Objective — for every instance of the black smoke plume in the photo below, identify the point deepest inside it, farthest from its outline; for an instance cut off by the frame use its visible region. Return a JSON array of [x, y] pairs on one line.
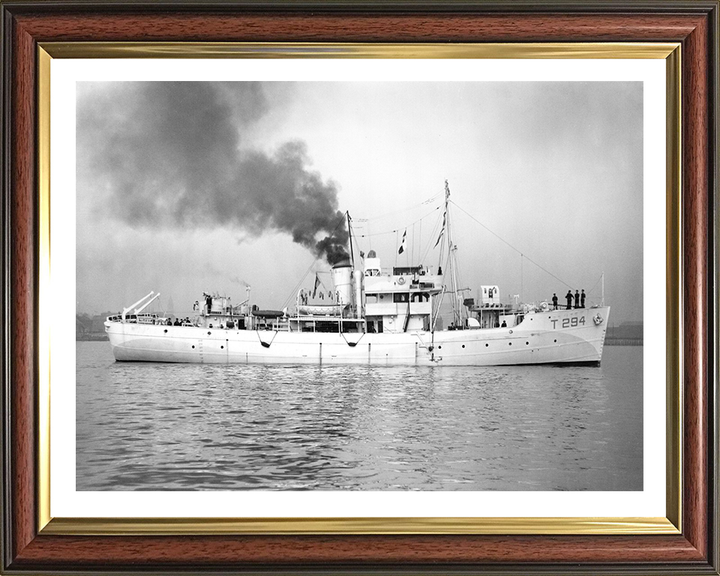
[[173, 154]]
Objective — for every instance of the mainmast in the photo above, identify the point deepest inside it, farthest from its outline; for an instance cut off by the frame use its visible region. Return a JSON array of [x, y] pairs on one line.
[[350, 246], [452, 261], [357, 275], [451, 265]]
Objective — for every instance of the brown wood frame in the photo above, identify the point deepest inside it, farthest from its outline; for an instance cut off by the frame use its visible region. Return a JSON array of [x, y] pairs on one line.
[[693, 23]]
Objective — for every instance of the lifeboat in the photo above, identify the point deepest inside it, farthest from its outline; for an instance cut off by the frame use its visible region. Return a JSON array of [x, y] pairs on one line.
[[322, 309]]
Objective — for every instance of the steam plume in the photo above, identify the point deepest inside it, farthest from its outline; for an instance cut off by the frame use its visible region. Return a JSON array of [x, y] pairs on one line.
[[173, 154]]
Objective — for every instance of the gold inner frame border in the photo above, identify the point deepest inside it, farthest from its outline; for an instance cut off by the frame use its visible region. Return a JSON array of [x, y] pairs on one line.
[[671, 524]]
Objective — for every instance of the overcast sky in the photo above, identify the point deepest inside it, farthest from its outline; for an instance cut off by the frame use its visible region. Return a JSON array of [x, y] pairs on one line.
[[191, 187]]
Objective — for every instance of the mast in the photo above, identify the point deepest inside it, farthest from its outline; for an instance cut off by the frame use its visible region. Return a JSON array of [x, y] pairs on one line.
[[452, 263], [352, 256], [356, 276], [451, 254]]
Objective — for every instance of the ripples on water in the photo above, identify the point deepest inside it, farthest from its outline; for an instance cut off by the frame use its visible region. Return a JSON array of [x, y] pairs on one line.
[[208, 427]]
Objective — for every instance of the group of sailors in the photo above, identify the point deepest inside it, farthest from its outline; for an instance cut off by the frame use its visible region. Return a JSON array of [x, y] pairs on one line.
[[578, 298], [187, 322]]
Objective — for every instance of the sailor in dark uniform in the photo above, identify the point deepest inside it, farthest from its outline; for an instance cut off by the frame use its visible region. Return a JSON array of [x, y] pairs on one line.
[[569, 298], [554, 300], [577, 299], [582, 299]]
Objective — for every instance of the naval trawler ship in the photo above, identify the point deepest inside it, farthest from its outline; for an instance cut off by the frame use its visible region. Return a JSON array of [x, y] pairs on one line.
[[373, 316]]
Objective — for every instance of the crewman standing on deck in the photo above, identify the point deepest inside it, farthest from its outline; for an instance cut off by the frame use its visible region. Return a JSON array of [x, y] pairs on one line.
[[582, 299], [569, 298], [577, 299], [554, 300]]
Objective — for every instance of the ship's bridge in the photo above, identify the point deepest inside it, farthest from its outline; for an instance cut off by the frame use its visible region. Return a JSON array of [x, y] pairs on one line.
[[399, 300]]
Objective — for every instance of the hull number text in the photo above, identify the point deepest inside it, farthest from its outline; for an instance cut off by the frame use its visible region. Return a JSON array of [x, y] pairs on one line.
[[568, 322]]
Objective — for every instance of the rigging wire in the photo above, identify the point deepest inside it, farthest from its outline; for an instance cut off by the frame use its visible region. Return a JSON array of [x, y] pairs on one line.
[[297, 286], [594, 285], [396, 230], [433, 235], [522, 254], [405, 209]]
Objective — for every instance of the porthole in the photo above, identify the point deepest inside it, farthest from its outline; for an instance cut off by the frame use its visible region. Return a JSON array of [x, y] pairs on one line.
[[463, 345], [208, 333], [439, 347], [222, 347], [193, 346], [486, 345], [509, 343], [165, 330], [527, 343], [555, 340]]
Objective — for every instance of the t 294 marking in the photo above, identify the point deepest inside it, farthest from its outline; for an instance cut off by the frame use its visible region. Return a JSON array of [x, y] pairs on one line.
[[573, 322]]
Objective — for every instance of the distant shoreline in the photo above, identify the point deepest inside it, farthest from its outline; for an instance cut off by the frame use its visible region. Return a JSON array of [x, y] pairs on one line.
[[92, 338], [623, 342]]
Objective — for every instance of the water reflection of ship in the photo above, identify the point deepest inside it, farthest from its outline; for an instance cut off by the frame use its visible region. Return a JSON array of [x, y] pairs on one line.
[[371, 316]]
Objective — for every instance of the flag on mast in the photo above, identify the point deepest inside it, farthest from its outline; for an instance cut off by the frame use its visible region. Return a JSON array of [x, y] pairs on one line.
[[317, 283], [402, 244], [442, 231]]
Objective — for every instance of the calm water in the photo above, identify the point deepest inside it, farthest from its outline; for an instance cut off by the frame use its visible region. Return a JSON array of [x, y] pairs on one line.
[[204, 427]]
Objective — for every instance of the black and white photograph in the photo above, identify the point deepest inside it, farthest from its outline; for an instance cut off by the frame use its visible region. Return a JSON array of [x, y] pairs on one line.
[[359, 285]]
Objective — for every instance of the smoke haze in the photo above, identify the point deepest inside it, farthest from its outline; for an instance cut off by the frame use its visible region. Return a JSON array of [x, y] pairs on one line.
[[172, 155]]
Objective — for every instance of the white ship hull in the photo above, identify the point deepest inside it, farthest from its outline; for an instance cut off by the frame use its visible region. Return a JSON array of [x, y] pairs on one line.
[[572, 336]]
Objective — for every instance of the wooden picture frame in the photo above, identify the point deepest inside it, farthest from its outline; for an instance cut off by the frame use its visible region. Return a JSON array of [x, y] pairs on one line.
[[29, 547]]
